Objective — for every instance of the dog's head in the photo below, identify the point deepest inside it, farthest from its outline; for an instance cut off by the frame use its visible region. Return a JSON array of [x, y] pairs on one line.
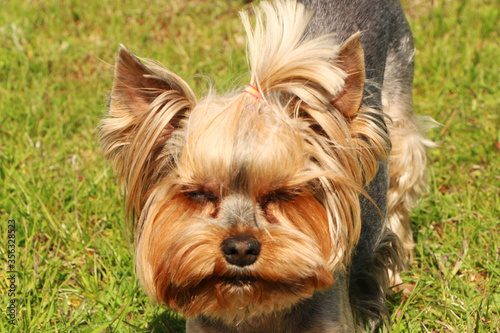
[[246, 203]]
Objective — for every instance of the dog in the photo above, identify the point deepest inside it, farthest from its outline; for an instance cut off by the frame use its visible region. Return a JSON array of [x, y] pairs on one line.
[[282, 206]]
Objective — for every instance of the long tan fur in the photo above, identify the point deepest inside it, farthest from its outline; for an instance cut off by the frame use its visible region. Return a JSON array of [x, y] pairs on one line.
[[183, 161]]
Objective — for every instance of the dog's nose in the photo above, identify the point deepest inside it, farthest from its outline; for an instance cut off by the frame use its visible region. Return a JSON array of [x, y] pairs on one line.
[[241, 250]]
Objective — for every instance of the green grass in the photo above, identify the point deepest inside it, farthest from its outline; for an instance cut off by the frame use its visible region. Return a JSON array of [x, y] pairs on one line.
[[75, 267]]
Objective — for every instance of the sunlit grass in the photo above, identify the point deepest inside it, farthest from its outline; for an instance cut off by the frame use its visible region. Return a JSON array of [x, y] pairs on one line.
[[74, 262]]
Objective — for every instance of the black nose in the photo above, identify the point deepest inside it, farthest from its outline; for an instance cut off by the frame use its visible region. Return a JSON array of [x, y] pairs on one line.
[[241, 250]]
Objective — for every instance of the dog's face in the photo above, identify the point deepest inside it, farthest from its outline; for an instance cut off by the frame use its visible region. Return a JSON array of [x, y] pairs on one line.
[[245, 204], [238, 223]]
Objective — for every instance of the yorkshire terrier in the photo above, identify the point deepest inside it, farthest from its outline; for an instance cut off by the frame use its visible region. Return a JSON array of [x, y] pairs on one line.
[[283, 206]]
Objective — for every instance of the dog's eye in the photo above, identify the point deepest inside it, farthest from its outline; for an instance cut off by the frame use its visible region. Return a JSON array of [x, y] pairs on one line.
[[279, 196], [201, 196]]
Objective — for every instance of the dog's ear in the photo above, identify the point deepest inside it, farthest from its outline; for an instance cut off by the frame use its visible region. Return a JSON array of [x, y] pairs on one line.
[[351, 60], [367, 125], [136, 85], [147, 104]]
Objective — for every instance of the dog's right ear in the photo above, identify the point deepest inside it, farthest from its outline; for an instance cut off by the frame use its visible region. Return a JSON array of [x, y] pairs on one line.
[[147, 104]]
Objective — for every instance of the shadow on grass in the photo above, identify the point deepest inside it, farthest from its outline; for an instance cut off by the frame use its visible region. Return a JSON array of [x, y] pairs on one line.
[[167, 322]]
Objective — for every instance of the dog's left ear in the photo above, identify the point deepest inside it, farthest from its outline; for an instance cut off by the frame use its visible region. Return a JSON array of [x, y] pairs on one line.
[[137, 84], [147, 104], [351, 60]]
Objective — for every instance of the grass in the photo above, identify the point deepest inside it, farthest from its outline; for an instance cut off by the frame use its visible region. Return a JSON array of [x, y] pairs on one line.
[[75, 272]]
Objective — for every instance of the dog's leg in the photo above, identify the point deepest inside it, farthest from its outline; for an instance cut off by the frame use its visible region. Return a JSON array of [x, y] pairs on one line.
[[339, 309]]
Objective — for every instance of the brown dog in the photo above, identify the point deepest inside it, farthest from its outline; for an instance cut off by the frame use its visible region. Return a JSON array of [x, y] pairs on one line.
[[279, 207]]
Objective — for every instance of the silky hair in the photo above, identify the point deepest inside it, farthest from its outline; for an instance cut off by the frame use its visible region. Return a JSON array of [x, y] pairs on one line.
[[307, 132]]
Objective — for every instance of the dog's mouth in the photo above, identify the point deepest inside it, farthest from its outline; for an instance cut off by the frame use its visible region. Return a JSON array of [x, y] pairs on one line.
[[226, 294], [239, 281]]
